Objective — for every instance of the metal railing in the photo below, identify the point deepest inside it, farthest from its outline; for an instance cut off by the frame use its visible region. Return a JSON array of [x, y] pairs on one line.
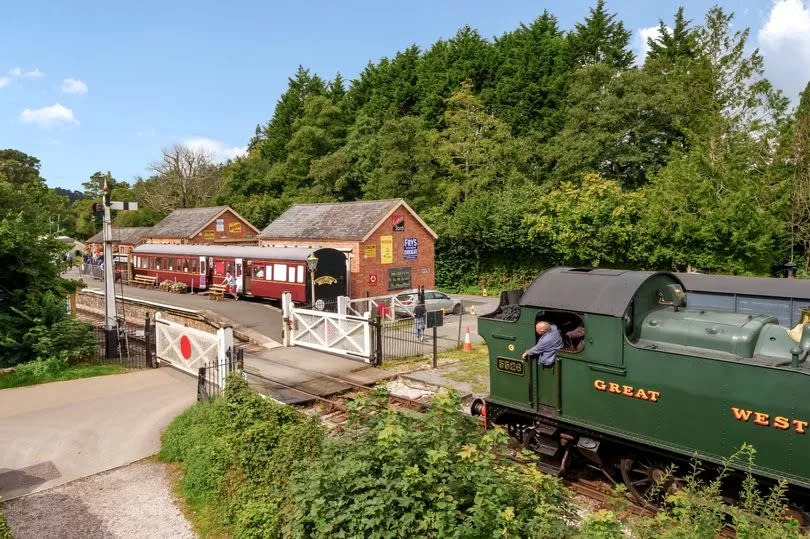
[[211, 377], [129, 348]]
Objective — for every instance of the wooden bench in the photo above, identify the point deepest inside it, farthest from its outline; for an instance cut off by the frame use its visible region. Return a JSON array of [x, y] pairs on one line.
[[144, 281], [217, 291]]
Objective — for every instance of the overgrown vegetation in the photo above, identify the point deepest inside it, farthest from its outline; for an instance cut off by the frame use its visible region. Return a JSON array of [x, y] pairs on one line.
[[259, 469], [5, 530], [254, 468]]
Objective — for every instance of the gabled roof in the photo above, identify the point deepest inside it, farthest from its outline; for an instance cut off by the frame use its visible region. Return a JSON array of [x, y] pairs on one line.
[[188, 222], [336, 221], [129, 235]]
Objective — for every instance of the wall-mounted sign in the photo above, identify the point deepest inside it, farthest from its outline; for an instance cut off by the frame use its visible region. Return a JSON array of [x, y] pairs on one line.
[[399, 278], [386, 249], [370, 251], [398, 222], [235, 228], [424, 271], [411, 249], [220, 225], [208, 235], [325, 279], [372, 279]]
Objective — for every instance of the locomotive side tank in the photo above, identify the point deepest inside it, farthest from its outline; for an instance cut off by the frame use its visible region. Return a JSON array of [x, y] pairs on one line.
[[649, 372]]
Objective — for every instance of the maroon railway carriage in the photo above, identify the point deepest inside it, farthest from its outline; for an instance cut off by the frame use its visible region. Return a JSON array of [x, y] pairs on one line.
[[263, 272]]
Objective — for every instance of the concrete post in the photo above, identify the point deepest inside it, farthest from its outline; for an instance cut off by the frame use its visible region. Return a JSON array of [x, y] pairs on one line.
[[286, 315], [367, 337], [225, 352]]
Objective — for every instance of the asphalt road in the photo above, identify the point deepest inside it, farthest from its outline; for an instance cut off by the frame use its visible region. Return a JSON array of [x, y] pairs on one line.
[[54, 433]]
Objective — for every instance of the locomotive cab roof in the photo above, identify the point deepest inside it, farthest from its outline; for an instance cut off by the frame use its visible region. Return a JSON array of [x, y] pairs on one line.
[[596, 291]]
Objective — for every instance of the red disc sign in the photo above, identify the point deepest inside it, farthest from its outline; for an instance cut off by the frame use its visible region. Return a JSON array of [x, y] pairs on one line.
[[372, 278], [185, 347]]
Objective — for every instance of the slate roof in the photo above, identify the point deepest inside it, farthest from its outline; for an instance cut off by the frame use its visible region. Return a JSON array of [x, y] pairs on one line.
[[334, 221], [182, 223], [129, 235]]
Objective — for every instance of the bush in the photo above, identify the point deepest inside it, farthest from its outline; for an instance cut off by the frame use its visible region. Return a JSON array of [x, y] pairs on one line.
[[67, 341]]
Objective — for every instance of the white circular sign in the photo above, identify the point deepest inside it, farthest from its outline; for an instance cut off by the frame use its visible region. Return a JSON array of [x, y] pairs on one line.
[[319, 304]]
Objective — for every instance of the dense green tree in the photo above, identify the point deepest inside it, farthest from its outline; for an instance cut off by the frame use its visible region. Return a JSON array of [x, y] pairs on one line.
[[530, 79], [19, 168], [271, 143], [446, 65], [32, 293], [600, 39], [799, 180], [94, 186], [673, 44]]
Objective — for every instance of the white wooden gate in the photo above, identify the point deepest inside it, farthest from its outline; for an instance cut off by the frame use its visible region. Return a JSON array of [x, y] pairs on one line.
[[329, 332], [187, 348]]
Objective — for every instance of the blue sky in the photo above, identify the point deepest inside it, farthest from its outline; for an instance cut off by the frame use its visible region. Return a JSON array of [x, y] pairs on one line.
[[88, 86]]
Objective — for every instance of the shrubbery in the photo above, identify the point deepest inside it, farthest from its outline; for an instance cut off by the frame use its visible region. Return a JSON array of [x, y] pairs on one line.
[[259, 469]]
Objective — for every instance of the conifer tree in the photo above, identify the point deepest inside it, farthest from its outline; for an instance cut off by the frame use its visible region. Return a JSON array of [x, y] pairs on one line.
[[600, 39]]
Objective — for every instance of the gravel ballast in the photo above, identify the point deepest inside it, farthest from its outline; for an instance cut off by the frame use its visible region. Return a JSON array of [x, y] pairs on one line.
[[132, 501]]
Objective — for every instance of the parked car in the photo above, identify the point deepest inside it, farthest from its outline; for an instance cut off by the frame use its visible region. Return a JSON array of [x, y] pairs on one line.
[[434, 301]]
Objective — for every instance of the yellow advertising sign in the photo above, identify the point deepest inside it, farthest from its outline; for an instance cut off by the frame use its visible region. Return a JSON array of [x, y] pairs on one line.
[[370, 251], [235, 228], [386, 249], [208, 235]]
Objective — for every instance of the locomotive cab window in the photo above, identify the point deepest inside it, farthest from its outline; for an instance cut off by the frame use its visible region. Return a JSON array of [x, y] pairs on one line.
[[570, 325]]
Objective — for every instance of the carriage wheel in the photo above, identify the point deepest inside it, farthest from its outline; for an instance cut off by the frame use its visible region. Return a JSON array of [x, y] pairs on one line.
[[649, 481]]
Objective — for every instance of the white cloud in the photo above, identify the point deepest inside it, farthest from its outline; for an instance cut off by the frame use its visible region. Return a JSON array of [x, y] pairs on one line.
[[32, 74], [15, 71], [642, 35], [74, 86], [3, 81], [215, 148], [47, 117], [785, 43]]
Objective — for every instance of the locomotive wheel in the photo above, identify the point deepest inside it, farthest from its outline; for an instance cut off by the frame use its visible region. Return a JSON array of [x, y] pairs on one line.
[[649, 482]]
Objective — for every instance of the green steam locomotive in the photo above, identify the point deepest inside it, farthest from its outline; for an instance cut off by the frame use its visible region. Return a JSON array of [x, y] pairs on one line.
[[649, 380]]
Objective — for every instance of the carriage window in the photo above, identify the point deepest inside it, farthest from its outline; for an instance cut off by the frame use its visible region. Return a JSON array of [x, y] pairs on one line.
[[279, 272], [291, 274], [300, 276], [268, 272], [202, 266], [571, 326], [158, 263], [171, 263], [194, 265], [229, 268], [258, 272], [185, 264]]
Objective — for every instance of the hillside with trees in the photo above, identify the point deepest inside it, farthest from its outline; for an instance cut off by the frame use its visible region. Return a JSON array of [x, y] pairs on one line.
[[539, 147]]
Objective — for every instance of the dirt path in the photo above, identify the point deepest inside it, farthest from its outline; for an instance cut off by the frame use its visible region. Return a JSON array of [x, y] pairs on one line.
[[134, 501]]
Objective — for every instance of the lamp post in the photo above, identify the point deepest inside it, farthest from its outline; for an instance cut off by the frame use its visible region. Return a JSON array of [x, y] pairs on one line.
[[312, 264]]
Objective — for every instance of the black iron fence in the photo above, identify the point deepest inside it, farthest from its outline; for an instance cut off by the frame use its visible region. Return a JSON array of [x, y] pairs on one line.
[[211, 378], [404, 337], [126, 347]]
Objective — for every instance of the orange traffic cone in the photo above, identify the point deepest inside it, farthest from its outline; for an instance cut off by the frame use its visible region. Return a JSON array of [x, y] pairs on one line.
[[467, 343]]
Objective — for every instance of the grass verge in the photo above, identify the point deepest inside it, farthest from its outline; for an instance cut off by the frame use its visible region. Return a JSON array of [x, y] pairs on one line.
[[82, 370], [455, 364]]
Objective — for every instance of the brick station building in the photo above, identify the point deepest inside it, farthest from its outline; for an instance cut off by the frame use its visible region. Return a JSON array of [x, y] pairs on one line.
[[388, 246], [213, 225]]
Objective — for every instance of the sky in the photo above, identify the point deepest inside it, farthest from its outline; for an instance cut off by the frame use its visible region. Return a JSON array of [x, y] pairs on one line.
[[87, 86]]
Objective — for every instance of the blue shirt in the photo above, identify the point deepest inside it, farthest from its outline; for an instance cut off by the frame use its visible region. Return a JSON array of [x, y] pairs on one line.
[[548, 343]]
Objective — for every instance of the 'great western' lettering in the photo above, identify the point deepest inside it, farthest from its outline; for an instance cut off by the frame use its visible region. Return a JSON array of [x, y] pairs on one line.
[[627, 391], [762, 419]]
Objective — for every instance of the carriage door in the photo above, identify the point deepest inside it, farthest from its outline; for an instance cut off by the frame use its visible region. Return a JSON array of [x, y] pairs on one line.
[[203, 272], [238, 275]]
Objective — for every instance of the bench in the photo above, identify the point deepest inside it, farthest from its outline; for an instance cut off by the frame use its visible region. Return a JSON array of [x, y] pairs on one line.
[[217, 291], [144, 281]]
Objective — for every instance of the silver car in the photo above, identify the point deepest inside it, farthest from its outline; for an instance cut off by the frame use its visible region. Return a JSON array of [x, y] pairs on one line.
[[434, 301]]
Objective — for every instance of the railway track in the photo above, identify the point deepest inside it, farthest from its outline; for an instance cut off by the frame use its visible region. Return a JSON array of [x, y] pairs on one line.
[[331, 406]]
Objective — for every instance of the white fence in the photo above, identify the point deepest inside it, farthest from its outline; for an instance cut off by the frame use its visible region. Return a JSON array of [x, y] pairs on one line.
[[385, 306], [335, 333], [187, 348]]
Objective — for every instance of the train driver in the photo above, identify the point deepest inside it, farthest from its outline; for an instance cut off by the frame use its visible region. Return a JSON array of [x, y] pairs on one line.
[[549, 341]]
